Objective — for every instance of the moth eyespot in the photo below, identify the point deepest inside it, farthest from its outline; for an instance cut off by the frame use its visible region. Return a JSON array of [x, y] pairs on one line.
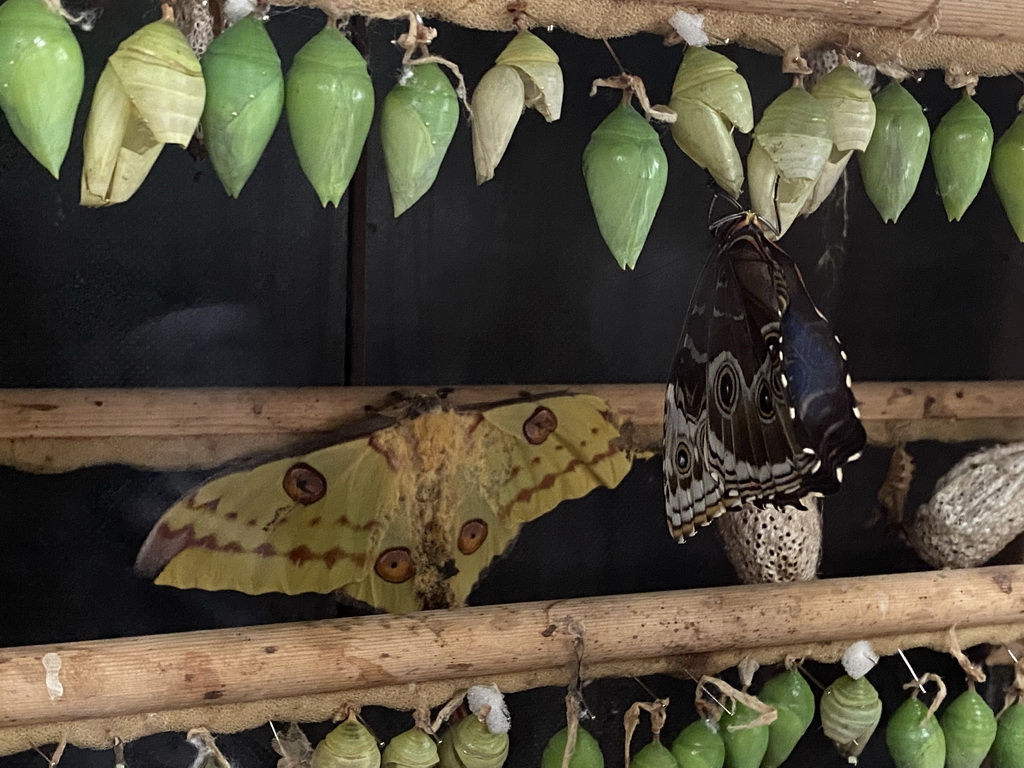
[[725, 388], [539, 426], [765, 404], [304, 485], [683, 459], [472, 536], [395, 565]]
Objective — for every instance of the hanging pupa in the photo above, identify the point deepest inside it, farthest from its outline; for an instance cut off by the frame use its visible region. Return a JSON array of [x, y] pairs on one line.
[[654, 754], [850, 707], [700, 745], [711, 99], [1007, 171], [586, 754], [744, 724], [41, 76], [537, 64], [961, 149], [791, 144], [349, 745], [969, 726], [1008, 747], [626, 171], [851, 115], [411, 749], [913, 734], [891, 164], [150, 93], [417, 122], [790, 694], [244, 99], [329, 106], [479, 740]]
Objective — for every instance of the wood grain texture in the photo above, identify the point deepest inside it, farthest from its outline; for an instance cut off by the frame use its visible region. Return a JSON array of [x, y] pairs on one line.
[[58, 430], [130, 676]]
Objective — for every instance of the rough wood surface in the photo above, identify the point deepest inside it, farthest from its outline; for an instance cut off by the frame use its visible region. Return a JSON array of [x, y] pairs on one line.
[[58, 430], [133, 676]]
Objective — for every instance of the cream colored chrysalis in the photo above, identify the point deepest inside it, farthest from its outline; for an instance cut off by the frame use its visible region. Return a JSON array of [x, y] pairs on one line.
[[525, 75]]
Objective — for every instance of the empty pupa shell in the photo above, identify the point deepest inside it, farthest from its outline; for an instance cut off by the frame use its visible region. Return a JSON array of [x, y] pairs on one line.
[[1007, 171], [587, 753], [349, 745], [850, 713], [710, 99], [626, 172], [851, 115], [537, 64], [961, 149], [914, 737], [417, 122], [1008, 748], [745, 747], [793, 698], [892, 163], [497, 105], [150, 93], [699, 745], [411, 749], [654, 755], [329, 105], [469, 744], [244, 99], [41, 76], [791, 144], [969, 726]]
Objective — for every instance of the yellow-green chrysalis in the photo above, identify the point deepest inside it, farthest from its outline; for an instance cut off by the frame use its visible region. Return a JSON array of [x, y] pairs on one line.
[[349, 745], [850, 713], [411, 749], [700, 745], [969, 726], [961, 149], [470, 744], [790, 694], [744, 747], [914, 737], [1007, 171], [587, 753]]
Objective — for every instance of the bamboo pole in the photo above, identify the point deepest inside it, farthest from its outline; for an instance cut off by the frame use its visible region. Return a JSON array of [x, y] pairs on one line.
[[130, 676], [58, 430]]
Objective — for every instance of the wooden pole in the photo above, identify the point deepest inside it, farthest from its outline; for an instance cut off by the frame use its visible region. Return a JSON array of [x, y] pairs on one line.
[[58, 430], [128, 676]]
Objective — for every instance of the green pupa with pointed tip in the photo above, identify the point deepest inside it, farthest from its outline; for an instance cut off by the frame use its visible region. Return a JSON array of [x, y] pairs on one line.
[[961, 150], [329, 106], [244, 100], [587, 753], [1007, 171], [969, 725], [744, 747], [793, 698], [699, 745], [914, 737], [41, 77], [892, 163], [417, 122], [626, 171]]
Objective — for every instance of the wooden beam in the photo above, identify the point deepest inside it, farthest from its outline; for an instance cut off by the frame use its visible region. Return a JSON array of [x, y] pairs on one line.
[[58, 430], [127, 677]]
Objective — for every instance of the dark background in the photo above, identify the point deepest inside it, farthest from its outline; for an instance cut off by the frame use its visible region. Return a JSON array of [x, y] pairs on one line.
[[509, 282]]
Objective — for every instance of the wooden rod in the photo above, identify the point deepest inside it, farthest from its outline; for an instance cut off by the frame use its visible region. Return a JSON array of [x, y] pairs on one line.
[[128, 676], [58, 430]]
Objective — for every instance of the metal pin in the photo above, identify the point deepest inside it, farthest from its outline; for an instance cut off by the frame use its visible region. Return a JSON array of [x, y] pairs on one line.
[[912, 672]]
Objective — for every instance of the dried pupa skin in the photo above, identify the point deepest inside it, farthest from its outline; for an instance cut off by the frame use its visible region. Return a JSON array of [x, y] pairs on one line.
[[587, 753], [851, 114], [150, 93], [961, 149], [469, 744], [329, 106], [417, 121], [744, 748], [41, 77], [349, 745], [497, 106], [1008, 747], [699, 745], [914, 737], [710, 99], [790, 694], [791, 144], [244, 100], [1007, 171], [654, 755], [850, 713], [626, 171], [411, 749], [769, 543], [969, 726], [891, 164], [537, 64]]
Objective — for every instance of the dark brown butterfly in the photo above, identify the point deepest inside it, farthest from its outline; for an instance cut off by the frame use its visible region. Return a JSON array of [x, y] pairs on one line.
[[758, 405]]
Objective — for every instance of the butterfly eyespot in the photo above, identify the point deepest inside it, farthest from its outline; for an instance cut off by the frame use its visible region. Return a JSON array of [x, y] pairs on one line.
[[395, 565], [304, 485], [539, 426], [683, 459], [725, 389], [472, 536], [765, 404]]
